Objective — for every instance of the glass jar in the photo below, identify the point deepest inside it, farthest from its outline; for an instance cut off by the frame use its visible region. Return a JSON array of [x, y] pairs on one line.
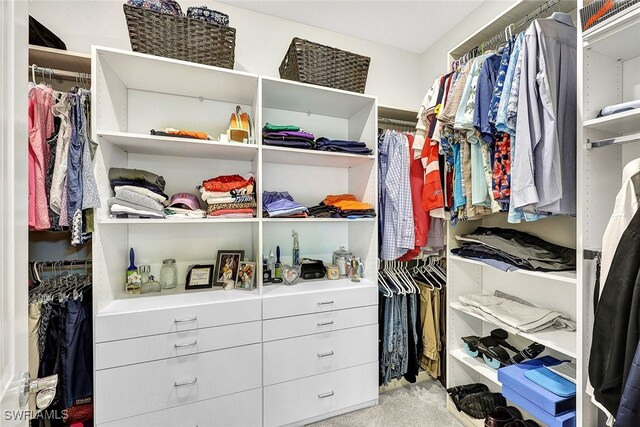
[[169, 274], [341, 258]]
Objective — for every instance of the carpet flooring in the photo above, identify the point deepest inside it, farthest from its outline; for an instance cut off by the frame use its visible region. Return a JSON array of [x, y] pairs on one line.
[[417, 405]]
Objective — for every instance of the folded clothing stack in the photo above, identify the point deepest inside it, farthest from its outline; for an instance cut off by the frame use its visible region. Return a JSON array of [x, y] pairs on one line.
[[181, 133], [138, 194], [229, 196], [287, 136], [514, 314], [508, 249], [353, 147], [347, 206], [280, 204]]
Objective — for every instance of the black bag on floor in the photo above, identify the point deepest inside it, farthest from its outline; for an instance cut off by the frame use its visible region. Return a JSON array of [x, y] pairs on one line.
[[42, 36]]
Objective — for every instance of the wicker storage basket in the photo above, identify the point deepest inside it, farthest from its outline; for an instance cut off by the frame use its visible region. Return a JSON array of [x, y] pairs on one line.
[[600, 10], [310, 62], [179, 37]]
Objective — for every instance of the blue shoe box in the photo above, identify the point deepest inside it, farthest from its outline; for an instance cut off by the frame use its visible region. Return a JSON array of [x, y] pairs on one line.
[[513, 378], [567, 419]]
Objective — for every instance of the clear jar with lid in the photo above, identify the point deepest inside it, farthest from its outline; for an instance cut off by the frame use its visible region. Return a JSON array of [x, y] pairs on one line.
[[341, 258], [169, 274]]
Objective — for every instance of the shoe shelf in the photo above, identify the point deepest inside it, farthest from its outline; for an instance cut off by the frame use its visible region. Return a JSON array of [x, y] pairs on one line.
[[477, 364], [555, 339]]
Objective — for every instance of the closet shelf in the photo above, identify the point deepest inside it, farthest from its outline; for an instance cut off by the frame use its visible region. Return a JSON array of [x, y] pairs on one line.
[[310, 286], [176, 297], [177, 221], [315, 220], [294, 156], [46, 57], [560, 276], [555, 339], [613, 37], [618, 124], [477, 364], [179, 147]]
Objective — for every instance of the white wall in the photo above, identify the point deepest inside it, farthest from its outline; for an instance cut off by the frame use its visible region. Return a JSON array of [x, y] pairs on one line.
[[261, 42]]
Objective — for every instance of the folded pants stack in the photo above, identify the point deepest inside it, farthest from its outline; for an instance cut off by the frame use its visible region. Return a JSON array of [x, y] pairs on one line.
[[229, 196], [287, 136], [346, 206], [138, 194], [515, 248], [353, 147], [281, 204]]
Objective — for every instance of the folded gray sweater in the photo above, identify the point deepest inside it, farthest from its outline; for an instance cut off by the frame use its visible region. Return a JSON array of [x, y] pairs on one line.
[[138, 199]]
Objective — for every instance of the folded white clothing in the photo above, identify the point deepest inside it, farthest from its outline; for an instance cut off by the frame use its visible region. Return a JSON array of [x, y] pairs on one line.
[[141, 190], [117, 208], [138, 199], [204, 194], [179, 213], [233, 215], [215, 200], [518, 316]]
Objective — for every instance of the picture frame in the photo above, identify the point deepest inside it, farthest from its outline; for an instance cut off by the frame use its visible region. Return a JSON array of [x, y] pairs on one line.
[[199, 276], [246, 276], [226, 271]]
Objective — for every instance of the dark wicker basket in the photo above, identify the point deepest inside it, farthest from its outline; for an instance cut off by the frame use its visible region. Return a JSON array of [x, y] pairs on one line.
[[310, 62], [179, 37]]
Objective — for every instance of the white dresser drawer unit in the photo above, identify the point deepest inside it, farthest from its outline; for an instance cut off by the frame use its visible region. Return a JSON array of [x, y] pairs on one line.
[[318, 301], [294, 358], [236, 410], [138, 389], [123, 325], [289, 327], [294, 402], [176, 344]]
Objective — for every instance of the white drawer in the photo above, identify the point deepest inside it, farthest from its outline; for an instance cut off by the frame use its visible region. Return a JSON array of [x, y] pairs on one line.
[[289, 327], [132, 324], [296, 401], [294, 358], [176, 344], [236, 410], [314, 302], [137, 389]]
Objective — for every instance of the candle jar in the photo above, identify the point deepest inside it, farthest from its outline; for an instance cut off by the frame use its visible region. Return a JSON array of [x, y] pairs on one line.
[[169, 274], [341, 258]]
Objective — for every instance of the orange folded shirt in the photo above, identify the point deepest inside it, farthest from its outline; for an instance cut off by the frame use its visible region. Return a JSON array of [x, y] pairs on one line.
[[352, 205], [331, 200], [227, 183], [190, 133]]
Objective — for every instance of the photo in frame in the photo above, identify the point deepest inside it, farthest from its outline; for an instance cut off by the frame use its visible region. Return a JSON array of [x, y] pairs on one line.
[[199, 276], [227, 268], [246, 276]]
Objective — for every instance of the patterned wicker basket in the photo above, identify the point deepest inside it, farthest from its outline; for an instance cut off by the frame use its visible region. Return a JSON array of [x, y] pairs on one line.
[[179, 37], [310, 62]]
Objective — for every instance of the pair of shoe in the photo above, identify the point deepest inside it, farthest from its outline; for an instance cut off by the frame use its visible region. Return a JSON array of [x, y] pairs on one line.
[[460, 392], [508, 416], [475, 399], [492, 349], [239, 127]]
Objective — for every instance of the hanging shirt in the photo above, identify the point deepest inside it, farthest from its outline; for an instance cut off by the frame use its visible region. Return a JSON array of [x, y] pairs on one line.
[[501, 117], [397, 235], [484, 92], [505, 58], [544, 169]]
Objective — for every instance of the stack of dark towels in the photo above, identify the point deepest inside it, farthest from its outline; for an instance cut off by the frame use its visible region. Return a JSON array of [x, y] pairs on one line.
[[138, 194], [509, 249], [287, 136]]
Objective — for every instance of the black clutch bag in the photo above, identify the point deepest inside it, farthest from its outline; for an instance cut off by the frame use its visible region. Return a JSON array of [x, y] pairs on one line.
[[312, 269]]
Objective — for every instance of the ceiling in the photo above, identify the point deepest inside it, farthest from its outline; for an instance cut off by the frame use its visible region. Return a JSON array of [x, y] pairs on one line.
[[409, 25]]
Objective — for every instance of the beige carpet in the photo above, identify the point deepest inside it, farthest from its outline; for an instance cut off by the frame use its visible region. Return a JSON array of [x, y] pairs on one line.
[[421, 405]]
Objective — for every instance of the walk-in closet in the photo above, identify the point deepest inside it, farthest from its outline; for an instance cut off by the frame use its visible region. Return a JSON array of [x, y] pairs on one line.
[[360, 213]]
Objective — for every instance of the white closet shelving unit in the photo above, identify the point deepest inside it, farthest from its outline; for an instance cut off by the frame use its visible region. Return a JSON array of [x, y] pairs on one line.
[[278, 355], [555, 290], [609, 73]]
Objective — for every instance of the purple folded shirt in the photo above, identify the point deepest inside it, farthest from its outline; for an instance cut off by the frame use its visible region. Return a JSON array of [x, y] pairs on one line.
[[299, 134], [290, 144]]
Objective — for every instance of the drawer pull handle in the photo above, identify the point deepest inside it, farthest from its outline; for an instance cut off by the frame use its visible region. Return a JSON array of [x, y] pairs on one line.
[[325, 302], [327, 354], [177, 384], [186, 345], [193, 319], [325, 395], [330, 322]]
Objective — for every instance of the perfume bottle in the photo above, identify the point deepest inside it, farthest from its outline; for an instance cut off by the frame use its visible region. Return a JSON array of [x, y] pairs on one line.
[[296, 249]]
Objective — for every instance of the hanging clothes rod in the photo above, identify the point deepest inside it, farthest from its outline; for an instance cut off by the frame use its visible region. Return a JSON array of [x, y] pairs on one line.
[[501, 37], [52, 73], [384, 120], [613, 141], [61, 263]]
